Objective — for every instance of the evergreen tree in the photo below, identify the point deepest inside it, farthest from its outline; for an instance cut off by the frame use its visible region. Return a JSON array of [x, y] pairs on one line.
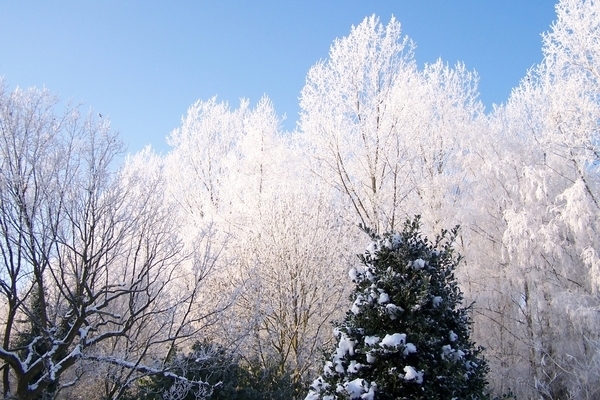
[[34, 341], [406, 335], [225, 375]]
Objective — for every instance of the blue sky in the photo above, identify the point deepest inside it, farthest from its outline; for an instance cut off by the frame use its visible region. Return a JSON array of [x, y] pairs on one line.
[[143, 63]]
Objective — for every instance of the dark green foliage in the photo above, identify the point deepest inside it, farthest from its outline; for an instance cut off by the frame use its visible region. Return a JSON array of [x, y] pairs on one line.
[[406, 295], [35, 341], [225, 377], [257, 382]]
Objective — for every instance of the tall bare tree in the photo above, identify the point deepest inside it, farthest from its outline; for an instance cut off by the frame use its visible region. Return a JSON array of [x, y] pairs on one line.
[[86, 259]]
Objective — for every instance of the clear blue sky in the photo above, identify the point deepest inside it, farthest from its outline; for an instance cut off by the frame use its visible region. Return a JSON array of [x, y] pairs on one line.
[[143, 63]]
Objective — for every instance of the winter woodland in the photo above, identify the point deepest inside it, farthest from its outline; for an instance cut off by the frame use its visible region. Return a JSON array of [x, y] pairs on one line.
[[159, 276]]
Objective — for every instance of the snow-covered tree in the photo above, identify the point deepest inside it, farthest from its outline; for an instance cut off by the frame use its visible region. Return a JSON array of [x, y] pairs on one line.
[[293, 289], [280, 221], [90, 255], [407, 334], [203, 155], [386, 135], [349, 117], [534, 268]]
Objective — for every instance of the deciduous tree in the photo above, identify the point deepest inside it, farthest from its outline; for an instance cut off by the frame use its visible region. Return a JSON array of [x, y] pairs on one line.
[[87, 260]]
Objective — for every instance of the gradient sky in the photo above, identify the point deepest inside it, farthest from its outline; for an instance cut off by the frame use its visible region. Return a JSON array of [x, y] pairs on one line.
[[143, 63]]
